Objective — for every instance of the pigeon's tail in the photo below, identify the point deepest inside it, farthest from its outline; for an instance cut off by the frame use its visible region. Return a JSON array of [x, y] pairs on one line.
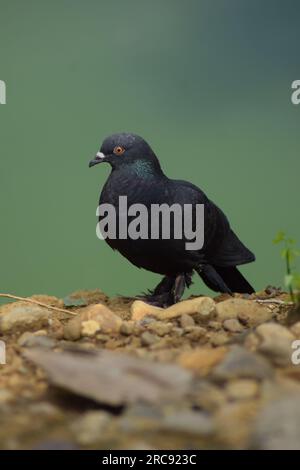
[[234, 280], [221, 279]]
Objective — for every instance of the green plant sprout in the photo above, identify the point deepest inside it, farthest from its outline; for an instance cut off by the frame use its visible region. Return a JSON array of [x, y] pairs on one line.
[[290, 253]]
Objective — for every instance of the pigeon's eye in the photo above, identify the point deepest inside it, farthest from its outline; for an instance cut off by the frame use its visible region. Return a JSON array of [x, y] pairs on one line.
[[118, 150]]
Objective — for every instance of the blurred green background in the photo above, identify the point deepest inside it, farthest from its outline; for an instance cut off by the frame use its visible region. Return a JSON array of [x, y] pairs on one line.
[[206, 82]]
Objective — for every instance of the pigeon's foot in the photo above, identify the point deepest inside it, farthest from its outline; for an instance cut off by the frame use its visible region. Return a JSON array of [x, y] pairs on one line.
[[169, 291], [162, 300]]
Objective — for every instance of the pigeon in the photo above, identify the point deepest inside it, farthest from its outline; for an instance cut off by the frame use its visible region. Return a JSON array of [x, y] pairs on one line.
[[137, 174]]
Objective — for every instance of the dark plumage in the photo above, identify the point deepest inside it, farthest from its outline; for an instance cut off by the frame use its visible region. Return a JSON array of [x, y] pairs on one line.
[[136, 173]]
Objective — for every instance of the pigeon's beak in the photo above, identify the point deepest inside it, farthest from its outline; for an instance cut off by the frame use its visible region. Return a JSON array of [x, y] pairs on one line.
[[99, 158]]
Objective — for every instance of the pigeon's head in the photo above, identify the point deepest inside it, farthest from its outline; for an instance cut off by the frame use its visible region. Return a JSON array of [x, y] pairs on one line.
[[125, 149]]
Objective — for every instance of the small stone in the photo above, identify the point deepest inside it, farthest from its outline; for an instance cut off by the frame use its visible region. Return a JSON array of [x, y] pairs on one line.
[[89, 428], [56, 328], [241, 363], [21, 316], [275, 343], [108, 321], [103, 338], [208, 397], [233, 325], [145, 321], [243, 389], [186, 320], [72, 330], [45, 408], [233, 422], [278, 425], [214, 325], [89, 328], [90, 320], [160, 328], [219, 339], [31, 340], [147, 339], [202, 360], [251, 342], [295, 330], [177, 331], [249, 312], [194, 332], [186, 421], [140, 309], [127, 328], [204, 306]]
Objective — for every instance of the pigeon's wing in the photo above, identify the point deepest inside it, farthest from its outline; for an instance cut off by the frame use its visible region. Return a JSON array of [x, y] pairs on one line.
[[231, 252], [226, 249], [221, 245]]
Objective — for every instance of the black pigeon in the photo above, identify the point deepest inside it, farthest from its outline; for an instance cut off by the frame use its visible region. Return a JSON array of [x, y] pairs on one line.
[[137, 174]]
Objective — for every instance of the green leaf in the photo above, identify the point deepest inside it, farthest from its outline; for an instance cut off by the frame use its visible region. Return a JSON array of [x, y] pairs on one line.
[[284, 253], [279, 237], [296, 253]]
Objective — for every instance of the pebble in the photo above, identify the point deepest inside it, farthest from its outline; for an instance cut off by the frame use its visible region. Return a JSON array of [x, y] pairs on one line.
[[160, 328], [218, 339], [278, 425], [90, 328], [44, 408], [56, 328], [147, 338], [194, 332], [186, 421], [31, 340], [127, 328], [240, 363], [295, 330], [233, 421], [186, 320], [275, 342], [103, 338], [249, 313], [204, 306], [20, 316], [202, 360], [233, 325], [72, 330], [208, 397], [178, 331], [91, 320], [242, 389], [251, 342], [90, 428], [214, 325]]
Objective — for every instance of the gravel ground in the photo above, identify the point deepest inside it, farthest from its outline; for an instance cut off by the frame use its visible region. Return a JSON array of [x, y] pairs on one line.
[[93, 372]]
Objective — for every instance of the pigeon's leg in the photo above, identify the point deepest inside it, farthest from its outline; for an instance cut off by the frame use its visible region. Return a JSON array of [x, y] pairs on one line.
[[188, 279], [179, 287], [182, 281], [161, 296], [169, 290], [212, 279]]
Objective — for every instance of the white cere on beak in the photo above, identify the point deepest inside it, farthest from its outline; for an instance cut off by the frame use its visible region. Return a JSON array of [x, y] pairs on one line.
[[100, 155]]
